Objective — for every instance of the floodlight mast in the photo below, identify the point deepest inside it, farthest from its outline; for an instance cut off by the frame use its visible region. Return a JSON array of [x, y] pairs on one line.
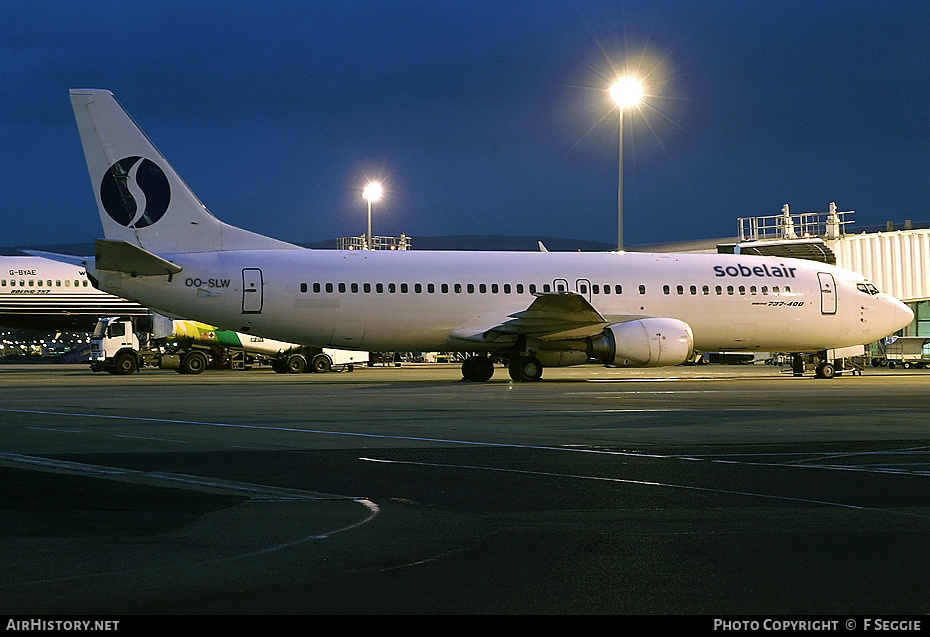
[[626, 92], [372, 192]]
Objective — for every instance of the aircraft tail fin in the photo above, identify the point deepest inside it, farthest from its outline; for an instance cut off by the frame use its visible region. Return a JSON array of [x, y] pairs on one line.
[[140, 198]]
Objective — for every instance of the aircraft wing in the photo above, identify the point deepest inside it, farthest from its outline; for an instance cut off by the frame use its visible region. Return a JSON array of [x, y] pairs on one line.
[[552, 316]]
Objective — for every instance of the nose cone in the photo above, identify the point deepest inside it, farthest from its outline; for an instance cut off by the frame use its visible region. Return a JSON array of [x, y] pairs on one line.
[[892, 315], [903, 315]]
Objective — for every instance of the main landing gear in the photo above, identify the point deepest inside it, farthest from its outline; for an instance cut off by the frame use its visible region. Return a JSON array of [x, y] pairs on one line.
[[477, 369], [522, 368], [525, 368]]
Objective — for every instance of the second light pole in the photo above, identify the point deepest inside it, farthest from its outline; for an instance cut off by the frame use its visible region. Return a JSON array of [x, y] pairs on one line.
[[626, 92]]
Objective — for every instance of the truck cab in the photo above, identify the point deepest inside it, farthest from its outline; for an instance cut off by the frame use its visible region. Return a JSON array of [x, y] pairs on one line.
[[116, 347]]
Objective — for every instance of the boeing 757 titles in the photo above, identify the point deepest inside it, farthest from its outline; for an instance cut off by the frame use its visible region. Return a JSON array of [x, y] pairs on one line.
[[164, 249], [44, 294]]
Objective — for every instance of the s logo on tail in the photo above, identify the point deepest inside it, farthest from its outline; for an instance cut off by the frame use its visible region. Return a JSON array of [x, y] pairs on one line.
[[135, 192]]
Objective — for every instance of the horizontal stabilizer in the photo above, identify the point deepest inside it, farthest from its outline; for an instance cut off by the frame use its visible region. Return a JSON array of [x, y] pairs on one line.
[[61, 258], [119, 256]]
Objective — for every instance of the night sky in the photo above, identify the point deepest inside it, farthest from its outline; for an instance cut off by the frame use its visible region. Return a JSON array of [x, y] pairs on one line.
[[480, 117]]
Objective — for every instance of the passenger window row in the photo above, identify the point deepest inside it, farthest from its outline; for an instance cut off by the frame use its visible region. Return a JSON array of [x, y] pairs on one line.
[[519, 288], [33, 283], [446, 288], [731, 290]]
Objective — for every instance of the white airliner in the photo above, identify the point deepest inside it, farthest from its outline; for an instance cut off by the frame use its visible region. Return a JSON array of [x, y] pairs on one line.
[[43, 294], [532, 309]]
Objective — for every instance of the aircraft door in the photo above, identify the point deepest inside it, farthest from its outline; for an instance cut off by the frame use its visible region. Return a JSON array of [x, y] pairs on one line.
[[827, 293], [560, 285], [583, 287], [252, 294]]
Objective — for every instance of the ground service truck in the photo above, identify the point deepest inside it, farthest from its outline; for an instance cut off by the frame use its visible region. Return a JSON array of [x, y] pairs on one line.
[[189, 347]]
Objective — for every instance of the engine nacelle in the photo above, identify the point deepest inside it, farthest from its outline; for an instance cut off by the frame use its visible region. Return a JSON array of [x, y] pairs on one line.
[[650, 342]]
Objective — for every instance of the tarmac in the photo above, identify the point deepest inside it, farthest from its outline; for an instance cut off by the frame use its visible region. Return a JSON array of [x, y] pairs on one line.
[[706, 490]]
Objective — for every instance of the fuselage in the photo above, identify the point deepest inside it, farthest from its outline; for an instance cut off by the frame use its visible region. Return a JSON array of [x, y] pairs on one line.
[[38, 293], [421, 300]]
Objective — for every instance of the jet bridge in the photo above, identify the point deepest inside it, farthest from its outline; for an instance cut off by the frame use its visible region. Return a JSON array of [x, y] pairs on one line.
[[894, 258]]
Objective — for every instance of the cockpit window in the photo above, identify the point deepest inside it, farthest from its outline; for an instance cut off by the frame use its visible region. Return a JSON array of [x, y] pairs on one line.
[[868, 288]]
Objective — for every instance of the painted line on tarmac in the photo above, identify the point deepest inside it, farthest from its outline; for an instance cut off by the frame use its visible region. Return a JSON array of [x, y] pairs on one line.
[[214, 485], [646, 483], [152, 439], [650, 483], [451, 441], [256, 493], [325, 432], [826, 460], [661, 380]]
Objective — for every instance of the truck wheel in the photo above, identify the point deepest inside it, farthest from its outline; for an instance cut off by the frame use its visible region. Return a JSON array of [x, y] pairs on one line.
[[193, 363], [322, 363], [124, 364], [296, 364]]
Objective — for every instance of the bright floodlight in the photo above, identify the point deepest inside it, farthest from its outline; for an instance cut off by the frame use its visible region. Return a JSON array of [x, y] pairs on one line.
[[372, 192], [627, 91]]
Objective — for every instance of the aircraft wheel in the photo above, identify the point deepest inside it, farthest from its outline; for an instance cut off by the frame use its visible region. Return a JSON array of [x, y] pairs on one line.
[[321, 364], [477, 368], [296, 364], [525, 368], [826, 370], [193, 363], [125, 364]]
